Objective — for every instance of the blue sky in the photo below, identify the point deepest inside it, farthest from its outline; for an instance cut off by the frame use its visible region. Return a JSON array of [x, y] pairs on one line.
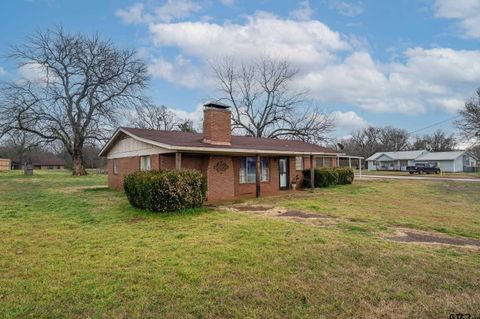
[[402, 63]]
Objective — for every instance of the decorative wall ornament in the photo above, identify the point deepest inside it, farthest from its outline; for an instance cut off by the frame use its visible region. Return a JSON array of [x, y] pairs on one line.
[[221, 166]]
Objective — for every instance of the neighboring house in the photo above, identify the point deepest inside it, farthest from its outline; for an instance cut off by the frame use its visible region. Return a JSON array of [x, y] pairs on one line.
[[5, 164], [455, 161], [230, 163], [48, 161], [393, 161]]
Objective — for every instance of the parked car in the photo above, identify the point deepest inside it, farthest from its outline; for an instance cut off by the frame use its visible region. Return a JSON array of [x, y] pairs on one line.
[[421, 168]]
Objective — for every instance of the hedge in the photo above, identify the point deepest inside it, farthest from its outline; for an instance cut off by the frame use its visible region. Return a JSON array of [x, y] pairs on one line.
[[328, 176], [166, 191]]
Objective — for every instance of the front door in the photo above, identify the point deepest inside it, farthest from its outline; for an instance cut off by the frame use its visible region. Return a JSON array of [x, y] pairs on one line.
[[283, 172]]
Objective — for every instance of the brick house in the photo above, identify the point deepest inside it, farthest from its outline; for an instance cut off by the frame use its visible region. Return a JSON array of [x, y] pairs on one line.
[[235, 166]]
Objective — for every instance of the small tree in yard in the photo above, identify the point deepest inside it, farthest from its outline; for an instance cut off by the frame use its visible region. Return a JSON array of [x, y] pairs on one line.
[[82, 83]]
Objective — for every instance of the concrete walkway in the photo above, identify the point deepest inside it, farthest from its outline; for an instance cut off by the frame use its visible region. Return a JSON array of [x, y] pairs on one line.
[[426, 178]]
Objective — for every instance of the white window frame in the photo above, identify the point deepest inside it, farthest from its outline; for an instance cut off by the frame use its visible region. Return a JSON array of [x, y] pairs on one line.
[[115, 166], [299, 163], [145, 163], [248, 177]]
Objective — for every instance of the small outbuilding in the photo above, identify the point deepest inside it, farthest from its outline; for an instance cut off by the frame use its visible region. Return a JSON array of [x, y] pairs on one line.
[[5, 164]]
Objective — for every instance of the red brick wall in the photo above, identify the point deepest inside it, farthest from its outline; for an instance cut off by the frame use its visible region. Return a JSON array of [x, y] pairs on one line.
[[249, 189], [223, 185], [220, 177], [217, 126]]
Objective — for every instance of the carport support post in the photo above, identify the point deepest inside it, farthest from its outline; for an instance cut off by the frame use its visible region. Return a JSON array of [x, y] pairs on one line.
[[312, 173], [257, 176], [178, 161]]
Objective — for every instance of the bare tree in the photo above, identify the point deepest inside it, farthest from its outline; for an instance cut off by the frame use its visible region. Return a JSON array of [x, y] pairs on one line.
[[393, 139], [366, 141], [154, 117], [83, 83], [186, 126], [469, 123], [18, 144], [265, 103], [439, 141]]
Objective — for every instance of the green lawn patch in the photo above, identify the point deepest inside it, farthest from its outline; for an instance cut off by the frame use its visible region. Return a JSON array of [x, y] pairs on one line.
[[72, 248]]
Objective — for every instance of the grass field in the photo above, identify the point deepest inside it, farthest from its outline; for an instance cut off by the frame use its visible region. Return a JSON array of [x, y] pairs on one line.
[[71, 248]]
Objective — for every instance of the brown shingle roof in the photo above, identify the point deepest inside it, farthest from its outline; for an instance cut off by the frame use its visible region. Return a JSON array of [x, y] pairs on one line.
[[187, 139]]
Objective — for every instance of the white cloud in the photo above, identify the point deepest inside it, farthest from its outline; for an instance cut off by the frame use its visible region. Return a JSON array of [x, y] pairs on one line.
[[346, 8], [304, 42], [2, 71], [466, 12], [304, 12], [228, 3], [171, 10], [180, 71], [348, 121], [335, 68], [435, 78], [134, 14]]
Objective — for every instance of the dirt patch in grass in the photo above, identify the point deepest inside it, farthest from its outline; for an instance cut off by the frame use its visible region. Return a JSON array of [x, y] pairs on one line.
[[252, 208], [298, 213], [135, 220], [423, 237]]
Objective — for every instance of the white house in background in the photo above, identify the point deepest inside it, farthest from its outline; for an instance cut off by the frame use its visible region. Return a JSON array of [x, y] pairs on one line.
[[393, 161], [455, 161]]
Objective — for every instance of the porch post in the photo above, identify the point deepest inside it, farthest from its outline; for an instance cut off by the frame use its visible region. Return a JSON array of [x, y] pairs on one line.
[[178, 161], [349, 162], [360, 165], [312, 173], [257, 176]]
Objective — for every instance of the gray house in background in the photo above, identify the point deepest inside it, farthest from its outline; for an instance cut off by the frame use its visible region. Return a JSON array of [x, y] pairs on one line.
[[393, 161], [455, 161]]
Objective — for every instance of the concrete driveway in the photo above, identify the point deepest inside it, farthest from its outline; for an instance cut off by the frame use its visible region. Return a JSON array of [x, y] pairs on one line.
[[425, 178]]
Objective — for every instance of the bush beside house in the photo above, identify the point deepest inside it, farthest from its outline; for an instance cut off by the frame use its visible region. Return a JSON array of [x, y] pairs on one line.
[[324, 177], [165, 191]]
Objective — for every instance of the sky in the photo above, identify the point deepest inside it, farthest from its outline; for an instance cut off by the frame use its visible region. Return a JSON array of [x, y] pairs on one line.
[[406, 63]]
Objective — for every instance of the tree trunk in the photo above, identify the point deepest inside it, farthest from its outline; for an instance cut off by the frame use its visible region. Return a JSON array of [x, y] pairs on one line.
[[78, 164]]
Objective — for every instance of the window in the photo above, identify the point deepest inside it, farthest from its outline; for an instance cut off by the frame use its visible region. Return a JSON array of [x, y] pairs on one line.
[[115, 166], [299, 163], [144, 163], [264, 172], [248, 170]]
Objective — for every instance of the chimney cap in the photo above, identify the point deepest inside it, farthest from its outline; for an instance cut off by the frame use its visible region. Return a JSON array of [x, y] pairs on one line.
[[217, 105]]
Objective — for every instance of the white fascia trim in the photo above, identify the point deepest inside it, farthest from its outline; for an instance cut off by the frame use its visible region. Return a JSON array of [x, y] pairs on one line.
[[209, 149]]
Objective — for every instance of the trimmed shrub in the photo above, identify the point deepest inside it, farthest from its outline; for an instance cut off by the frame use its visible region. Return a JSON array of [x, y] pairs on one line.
[[328, 176], [345, 175], [166, 191]]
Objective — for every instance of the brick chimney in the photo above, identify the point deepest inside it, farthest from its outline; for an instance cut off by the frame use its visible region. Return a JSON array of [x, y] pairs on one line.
[[217, 124]]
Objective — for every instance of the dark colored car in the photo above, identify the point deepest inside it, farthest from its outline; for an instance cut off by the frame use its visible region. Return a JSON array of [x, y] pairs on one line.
[[421, 168]]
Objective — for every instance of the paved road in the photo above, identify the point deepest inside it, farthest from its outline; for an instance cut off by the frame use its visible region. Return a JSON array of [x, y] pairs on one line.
[[453, 179]]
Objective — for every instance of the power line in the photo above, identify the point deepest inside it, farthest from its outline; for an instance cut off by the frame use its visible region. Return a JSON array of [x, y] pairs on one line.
[[435, 124]]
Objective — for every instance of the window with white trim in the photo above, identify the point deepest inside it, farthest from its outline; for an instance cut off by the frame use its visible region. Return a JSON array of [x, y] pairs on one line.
[[115, 166], [299, 163], [248, 169], [145, 163]]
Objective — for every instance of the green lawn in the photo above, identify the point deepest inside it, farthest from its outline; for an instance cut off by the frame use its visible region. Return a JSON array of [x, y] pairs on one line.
[[71, 248]]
